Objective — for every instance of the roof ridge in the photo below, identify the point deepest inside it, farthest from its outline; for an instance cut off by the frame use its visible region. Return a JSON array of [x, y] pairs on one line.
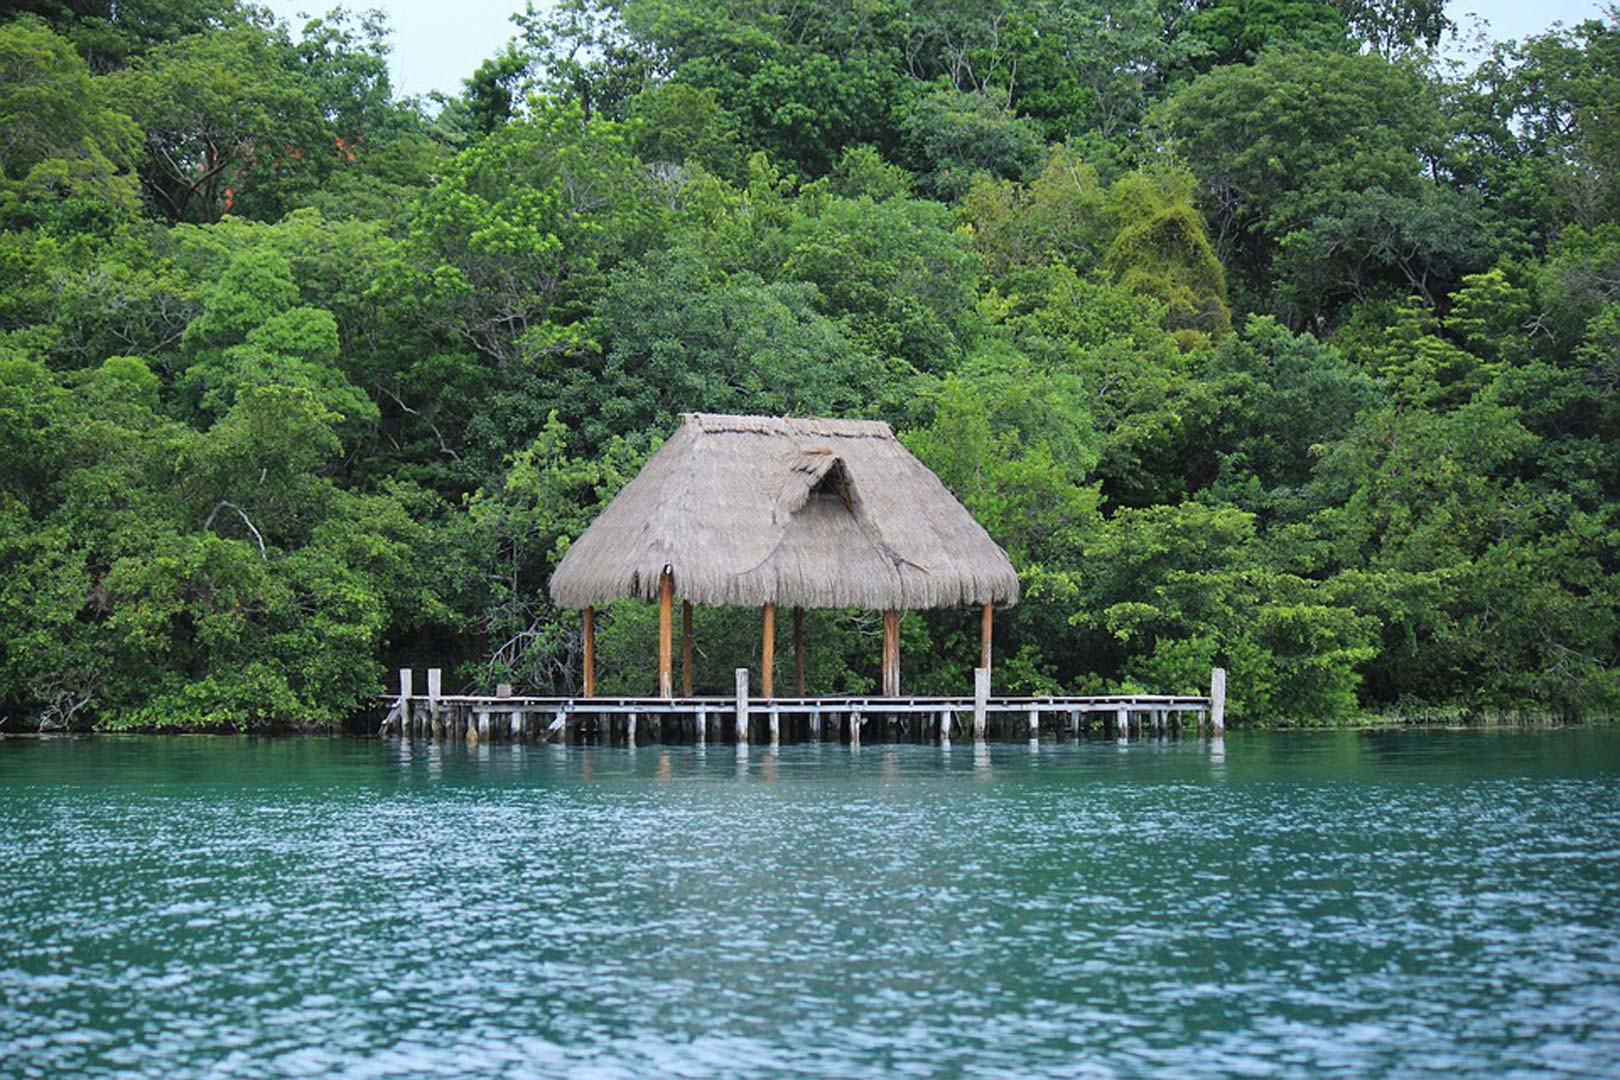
[[797, 426]]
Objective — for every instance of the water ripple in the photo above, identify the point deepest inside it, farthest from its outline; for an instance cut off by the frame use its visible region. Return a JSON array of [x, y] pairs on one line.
[[1336, 905]]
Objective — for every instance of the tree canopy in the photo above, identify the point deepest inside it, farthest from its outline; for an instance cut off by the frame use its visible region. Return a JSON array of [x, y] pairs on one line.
[[1257, 336]]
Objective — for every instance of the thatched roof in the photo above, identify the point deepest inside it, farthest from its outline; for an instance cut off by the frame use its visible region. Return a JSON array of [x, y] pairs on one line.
[[814, 513]]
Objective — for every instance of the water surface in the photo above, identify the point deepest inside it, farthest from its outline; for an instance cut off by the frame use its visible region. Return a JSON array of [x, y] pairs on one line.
[[1343, 904]]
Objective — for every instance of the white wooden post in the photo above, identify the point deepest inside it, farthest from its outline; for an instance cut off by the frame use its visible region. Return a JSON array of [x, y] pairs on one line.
[[1034, 723], [1122, 723], [1217, 700], [944, 725], [855, 729], [701, 729], [435, 688], [405, 690], [630, 728], [981, 700], [742, 706]]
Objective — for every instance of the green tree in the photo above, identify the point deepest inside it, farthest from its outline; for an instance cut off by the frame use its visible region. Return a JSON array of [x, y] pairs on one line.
[[1296, 136], [229, 124], [1161, 250], [58, 135], [1238, 31]]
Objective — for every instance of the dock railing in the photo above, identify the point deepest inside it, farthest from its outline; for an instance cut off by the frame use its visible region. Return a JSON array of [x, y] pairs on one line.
[[504, 715]]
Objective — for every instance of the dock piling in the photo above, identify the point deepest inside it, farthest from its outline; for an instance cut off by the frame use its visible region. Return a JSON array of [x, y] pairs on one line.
[[981, 699], [742, 706], [406, 677]]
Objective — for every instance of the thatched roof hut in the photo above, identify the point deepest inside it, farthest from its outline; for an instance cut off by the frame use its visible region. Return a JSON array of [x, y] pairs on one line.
[[771, 510]]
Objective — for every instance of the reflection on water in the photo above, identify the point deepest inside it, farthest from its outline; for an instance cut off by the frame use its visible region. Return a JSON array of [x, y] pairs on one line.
[[1412, 904]]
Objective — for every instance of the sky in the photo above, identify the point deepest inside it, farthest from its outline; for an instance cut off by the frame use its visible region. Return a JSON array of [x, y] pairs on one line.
[[438, 43]]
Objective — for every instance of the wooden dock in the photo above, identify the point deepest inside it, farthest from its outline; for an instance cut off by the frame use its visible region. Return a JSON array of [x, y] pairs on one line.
[[745, 720]]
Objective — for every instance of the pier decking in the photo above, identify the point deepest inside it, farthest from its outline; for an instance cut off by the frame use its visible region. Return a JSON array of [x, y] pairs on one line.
[[742, 719]]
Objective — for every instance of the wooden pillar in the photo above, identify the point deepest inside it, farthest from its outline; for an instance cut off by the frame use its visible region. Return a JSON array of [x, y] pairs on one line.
[[686, 648], [590, 652], [742, 706], [406, 677], [981, 700], [767, 654], [985, 618], [666, 634], [891, 653], [798, 648], [1217, 700]]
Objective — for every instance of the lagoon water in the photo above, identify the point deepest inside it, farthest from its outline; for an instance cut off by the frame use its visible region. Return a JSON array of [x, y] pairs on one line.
[[1419, 904]]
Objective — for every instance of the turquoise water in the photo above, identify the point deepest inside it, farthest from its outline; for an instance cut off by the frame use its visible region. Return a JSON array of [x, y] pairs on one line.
[[1345, 904]]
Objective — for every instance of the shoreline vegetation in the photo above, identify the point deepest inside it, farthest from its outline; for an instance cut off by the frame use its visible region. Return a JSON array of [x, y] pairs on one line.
[[1260, 336]]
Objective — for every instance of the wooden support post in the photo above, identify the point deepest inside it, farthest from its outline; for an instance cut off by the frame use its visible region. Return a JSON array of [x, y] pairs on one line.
[[630, 729], [815, 723], [1122, 723], [776, 727], [686, 648], [854, 729], [435, 690], [590, 652], [1034, 723], [944, 725], [1217, 700], [798, 649], [981, 700], [1074, 723], [700, 730], [742, 706], [891, 653], [666, 634], [406, 678], [767, 653], [984, 635]]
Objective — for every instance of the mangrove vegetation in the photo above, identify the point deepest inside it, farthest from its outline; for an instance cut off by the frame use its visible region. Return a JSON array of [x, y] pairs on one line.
[[1258, 334]]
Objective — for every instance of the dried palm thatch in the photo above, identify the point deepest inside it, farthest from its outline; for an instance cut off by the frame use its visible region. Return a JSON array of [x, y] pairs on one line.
[[806, 512]]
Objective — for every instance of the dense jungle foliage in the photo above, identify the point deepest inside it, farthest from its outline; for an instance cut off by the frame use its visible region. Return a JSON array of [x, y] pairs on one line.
[[1255, 332]]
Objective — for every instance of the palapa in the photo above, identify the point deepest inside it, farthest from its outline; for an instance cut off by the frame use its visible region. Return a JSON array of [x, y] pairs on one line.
[[805, 512]]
